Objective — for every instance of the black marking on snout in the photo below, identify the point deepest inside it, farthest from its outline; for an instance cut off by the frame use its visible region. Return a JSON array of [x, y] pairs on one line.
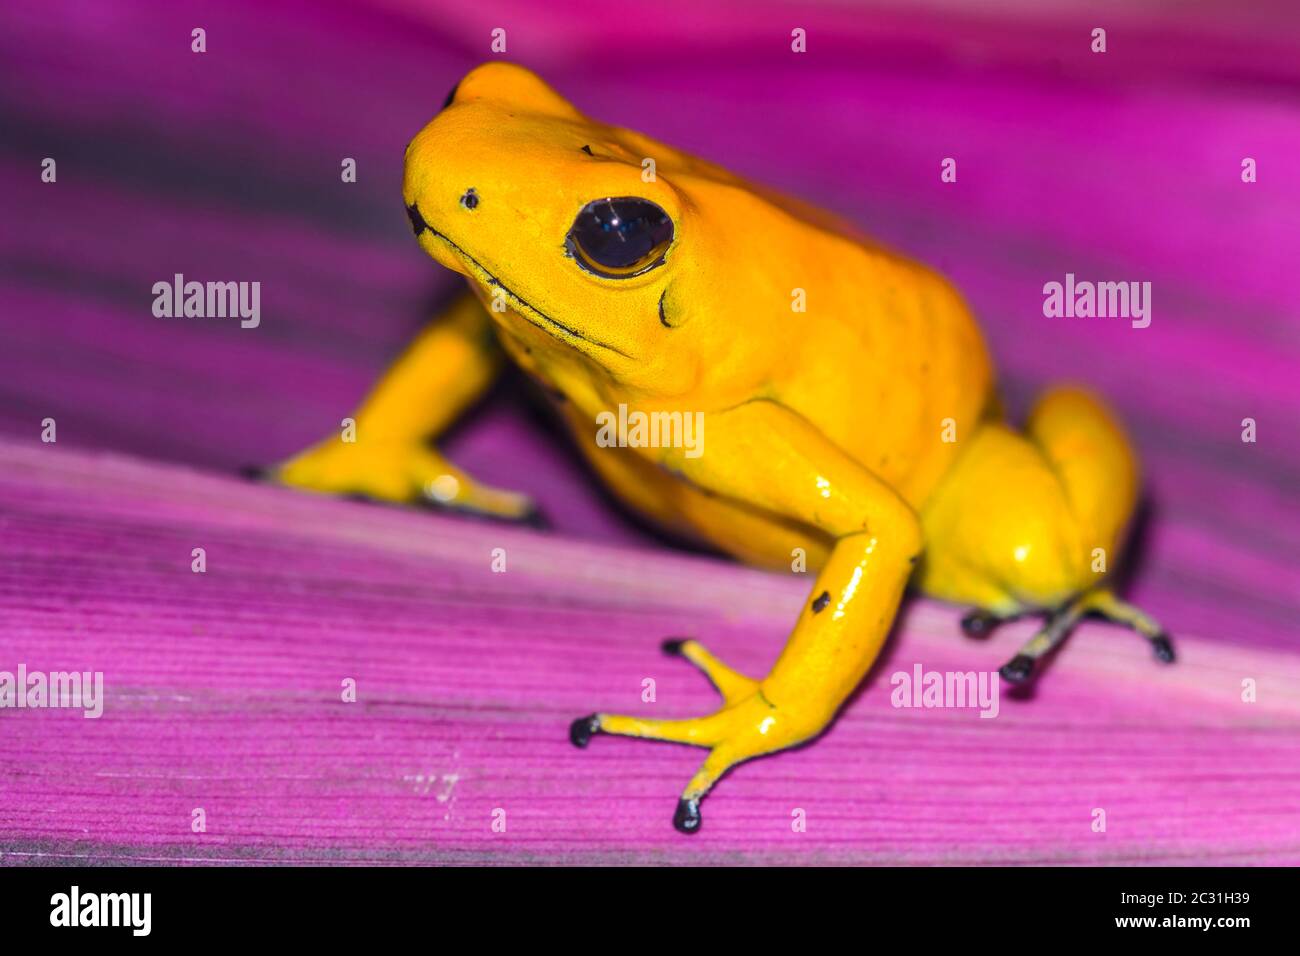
[[418, 225], [470, 199]]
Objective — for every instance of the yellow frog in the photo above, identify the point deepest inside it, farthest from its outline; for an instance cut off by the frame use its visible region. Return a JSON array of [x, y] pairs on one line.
[[843, 394]]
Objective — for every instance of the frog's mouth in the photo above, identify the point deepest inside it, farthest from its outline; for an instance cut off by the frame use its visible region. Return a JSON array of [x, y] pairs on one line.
[[514, 300]]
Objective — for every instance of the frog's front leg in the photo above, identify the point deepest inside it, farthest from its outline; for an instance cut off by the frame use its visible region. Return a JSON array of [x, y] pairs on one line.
[[452, 362], [767, 456]]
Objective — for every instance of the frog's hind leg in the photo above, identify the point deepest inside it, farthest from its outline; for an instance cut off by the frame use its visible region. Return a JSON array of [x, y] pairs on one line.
[[1020, 524], [1092, 459], [1094, 462]]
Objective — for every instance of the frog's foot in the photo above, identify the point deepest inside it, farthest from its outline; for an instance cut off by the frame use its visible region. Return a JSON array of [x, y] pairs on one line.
[[398, 473], [748, 725], [1100, 602]]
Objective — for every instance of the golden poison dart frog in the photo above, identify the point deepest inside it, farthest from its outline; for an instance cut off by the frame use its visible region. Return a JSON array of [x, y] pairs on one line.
[[843, 397]]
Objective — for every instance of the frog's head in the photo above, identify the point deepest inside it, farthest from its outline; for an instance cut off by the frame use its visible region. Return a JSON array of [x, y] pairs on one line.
[[587, 248]]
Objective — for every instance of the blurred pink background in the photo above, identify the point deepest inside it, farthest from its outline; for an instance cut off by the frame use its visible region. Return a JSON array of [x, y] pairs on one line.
[[1117, 166]]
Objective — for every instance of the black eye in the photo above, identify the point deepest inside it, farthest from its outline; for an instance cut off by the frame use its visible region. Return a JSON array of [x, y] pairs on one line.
[[620, 238]]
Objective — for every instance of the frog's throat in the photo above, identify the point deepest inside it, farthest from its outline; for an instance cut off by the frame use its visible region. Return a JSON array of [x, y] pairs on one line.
[[530, 312]]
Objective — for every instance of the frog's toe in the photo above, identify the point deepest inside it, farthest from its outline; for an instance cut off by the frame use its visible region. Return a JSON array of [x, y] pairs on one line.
[[521, 512], [730, 683], [1103, 603], [580, 730], [687, 819], [979, 623], [457, 492], [535, 517], [1163, 647], [1018, 669]]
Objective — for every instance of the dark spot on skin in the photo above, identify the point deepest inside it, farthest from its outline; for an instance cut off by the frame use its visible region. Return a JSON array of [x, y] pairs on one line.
[[470, 199], [823, 599], [672, 647], [1163, 647], [663, 319], [418, 225], [587, 150], [450, 96]]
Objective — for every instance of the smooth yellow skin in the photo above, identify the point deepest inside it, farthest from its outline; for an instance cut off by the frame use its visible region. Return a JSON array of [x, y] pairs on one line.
[[864, 431]]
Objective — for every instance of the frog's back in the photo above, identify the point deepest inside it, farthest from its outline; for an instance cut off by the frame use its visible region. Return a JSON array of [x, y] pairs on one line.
[[887, 360], [899, 381]]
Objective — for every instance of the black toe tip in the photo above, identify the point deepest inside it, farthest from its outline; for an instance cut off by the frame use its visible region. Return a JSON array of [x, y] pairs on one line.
[[1163, 647], [1018, 669], [978, 624], [673, 646], [687, 819], [535, 517], [580, 730], [254, 472]]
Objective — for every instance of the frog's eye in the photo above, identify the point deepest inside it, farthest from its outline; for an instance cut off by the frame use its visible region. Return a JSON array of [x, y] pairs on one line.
[[620, 238]]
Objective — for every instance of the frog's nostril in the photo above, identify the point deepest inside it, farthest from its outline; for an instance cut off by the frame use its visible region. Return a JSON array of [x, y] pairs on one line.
[[418, 225], [470, 199]]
